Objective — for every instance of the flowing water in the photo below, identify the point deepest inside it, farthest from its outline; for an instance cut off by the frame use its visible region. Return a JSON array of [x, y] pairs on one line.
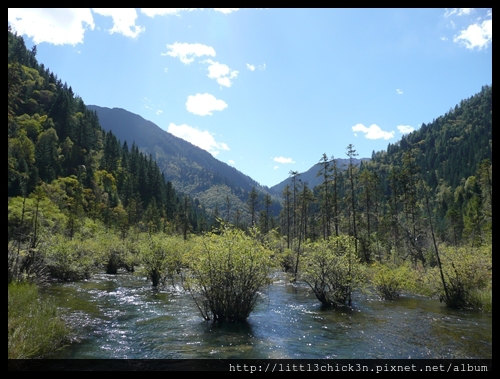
[[123, 317]]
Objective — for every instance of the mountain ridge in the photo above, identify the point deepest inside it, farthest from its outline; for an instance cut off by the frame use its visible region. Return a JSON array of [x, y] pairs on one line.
[[190, 169]]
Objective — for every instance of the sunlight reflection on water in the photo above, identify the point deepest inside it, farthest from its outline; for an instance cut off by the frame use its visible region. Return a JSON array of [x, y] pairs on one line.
[[122, 316]]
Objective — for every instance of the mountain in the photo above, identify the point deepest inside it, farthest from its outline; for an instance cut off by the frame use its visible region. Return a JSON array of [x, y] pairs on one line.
[[311, 176], [191, 170]]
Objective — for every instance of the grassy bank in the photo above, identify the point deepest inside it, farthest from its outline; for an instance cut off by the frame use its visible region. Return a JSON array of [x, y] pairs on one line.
[[35, 327]]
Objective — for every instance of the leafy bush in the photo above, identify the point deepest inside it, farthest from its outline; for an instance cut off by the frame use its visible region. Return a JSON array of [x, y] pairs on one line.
[[117, 254], [390, 282], [161, 257], [332, 271], [467, 272], [227, 271], [71, 260]]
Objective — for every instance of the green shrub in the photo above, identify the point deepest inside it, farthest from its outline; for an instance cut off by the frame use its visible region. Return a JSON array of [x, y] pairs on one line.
[[467, 274], [226, 273], [389, 282], [72, 260], [332, 271], [161, 257]]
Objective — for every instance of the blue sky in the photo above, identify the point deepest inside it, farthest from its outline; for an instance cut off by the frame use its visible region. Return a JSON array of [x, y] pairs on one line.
[[269, 90]]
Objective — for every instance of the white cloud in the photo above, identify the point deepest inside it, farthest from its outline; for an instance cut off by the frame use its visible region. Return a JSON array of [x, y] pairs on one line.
[[152, 12], [252, 67], [225, 81], [283, 160], [276, 167], [399, 92], [226, 10], [476, 35], [165, 70], [216, 69], [221, 72], [231, 162], [405, 129], [444, 38], [159, 112], [458, 11], [59, 26], [372, 132], [465, 11], [449, 12], [186, 51], [123, 20], [201, 138], [204, 104]]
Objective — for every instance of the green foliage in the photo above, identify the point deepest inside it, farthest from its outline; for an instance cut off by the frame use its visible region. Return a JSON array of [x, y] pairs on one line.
[[468, 276], [71, 260], [226, 273], [35, 328], [40, 213], [161, 257], [389, 282], [117, 253], [332, 270], [54, 138]]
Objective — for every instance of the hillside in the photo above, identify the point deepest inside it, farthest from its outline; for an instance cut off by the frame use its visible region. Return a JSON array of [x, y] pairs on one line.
[[191, 170]]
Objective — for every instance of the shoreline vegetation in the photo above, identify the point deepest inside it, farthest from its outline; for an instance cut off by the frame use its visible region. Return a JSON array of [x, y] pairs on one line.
[[223, 271]]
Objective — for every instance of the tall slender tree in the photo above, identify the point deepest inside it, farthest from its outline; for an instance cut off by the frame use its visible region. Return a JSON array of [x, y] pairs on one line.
[[286, 213], [325, 173], [252, 204], [351, 153]]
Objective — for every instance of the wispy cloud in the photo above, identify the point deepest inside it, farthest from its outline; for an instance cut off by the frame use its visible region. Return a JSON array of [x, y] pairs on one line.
[[204, 104], [201, 138], [457, 11], [221, 72], [283, 160], [398, 91], [231, 162], [476, 35], [123, 21], [152, 12], [252, 67], [372, 132], [405, 129], [226, 10], [187, 51], [58, 26]]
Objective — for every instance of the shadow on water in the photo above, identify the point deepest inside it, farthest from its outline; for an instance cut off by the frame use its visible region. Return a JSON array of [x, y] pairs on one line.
[[122, 316]]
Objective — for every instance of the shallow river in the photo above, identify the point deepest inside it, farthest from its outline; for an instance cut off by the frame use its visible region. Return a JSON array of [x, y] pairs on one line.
[[123, 317]]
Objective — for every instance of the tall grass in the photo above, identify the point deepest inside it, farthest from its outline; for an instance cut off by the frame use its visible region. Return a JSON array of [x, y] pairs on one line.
[[35, 327]]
